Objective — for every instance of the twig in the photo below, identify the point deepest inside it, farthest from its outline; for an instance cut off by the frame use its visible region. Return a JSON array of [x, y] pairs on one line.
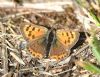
[[6, 34], [80, 50], [4, 52], [46, 6], [64, 71], [1, 70], [17, 58], [12, 49]]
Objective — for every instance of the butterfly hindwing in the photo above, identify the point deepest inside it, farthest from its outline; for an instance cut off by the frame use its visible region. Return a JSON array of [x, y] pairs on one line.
[[58, 51], [37, 48]]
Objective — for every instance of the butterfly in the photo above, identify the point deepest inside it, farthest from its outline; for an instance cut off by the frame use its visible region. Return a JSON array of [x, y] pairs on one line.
[[52, 43]]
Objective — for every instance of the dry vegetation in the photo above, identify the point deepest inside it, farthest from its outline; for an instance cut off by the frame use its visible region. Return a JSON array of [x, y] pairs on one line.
[[16, 61]]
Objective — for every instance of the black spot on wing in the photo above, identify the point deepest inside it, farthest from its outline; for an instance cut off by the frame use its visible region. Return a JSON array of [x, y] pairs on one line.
[[67, 33], [72, 36], [29, 34], [33, 54], [65, 42], [33, 36], [28, 27], [33, 28], [62, 33], [68, 40], [38, 30]]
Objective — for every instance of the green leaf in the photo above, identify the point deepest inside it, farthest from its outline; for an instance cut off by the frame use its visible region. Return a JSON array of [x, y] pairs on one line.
[[88, 66]]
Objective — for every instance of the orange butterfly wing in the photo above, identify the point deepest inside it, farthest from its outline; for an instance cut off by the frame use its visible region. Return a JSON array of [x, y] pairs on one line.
[[65, 40], [35, 35], [67, 37], [33, 32]]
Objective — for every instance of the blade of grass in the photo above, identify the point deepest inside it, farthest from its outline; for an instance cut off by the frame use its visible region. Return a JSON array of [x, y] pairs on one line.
[[88, 66], [91, 10], [95, 44], [97, 19], [81, 2]]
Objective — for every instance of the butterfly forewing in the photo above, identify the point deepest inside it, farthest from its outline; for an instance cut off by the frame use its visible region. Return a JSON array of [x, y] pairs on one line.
[[33, 32], [67, 37]]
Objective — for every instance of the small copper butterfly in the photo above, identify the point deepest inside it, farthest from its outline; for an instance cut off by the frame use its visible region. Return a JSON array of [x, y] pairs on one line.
[[49, 43]]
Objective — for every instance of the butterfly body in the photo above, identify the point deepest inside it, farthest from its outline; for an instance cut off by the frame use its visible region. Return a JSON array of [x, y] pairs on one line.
[[49, 43]]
